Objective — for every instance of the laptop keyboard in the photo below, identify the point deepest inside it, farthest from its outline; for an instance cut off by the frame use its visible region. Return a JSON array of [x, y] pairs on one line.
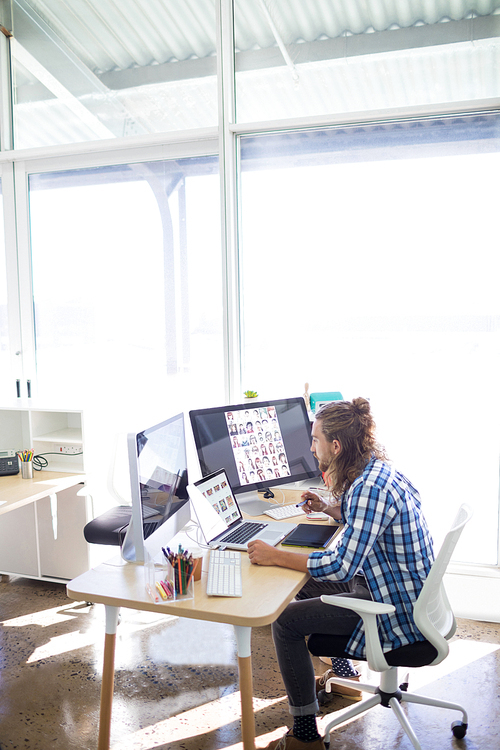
[[148, 512], [149, 528], [243, 533]]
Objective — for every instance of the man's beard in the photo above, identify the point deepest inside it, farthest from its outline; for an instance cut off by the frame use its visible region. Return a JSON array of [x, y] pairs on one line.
[[323, 465]]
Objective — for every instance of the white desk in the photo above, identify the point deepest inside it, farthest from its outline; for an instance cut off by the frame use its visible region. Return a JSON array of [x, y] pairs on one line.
[[15, 492]]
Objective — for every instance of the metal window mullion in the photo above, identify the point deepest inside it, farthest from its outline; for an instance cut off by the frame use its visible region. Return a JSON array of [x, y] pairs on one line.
[[228, 181], [5, 94], [27, 318], [12, 272]]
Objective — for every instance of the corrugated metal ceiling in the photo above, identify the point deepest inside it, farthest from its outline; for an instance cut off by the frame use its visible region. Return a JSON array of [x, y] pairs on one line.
[[87, 69], [108, 35]]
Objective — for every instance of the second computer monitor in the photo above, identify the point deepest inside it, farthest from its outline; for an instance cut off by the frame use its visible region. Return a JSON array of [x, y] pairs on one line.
[[158, 482], [260, 445]]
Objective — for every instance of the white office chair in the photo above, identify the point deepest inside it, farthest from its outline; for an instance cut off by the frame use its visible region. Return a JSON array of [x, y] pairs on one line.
[[435, 620]]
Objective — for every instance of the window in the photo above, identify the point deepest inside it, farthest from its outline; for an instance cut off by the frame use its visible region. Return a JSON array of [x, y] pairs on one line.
[[127, 284], [367, 267]]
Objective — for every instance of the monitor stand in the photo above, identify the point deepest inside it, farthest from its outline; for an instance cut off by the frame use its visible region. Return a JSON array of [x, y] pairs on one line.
[[305, 484], [131, 544], [251, 504]]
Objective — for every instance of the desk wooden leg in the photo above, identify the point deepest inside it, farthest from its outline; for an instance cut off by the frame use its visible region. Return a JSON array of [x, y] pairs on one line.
[[243, 638], [108, 677]]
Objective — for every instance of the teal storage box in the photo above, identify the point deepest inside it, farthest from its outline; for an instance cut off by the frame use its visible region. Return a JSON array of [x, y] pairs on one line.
[[320, 399]]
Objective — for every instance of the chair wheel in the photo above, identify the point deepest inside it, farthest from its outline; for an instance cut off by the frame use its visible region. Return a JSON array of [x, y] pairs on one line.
[[404, 687], [459, 729]]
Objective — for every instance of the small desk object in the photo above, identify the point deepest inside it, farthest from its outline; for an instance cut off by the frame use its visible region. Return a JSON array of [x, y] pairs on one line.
[[266, 593]]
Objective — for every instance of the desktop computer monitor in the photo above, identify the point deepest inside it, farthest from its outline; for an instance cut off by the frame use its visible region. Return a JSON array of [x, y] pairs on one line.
[[260, 445], [158, 481]]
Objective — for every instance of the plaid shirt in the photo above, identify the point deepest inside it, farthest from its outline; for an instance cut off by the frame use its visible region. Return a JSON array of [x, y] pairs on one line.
[[385, 536]]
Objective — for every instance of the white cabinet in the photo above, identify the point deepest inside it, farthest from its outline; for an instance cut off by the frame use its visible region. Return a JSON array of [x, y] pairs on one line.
[[44, 537], [19, 542], [42, 519]]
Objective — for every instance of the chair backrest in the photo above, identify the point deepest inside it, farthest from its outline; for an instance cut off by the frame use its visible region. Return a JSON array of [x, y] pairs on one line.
[[432, 611]]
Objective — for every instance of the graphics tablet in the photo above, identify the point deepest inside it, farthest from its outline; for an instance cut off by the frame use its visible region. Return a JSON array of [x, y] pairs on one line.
[[309, 535]]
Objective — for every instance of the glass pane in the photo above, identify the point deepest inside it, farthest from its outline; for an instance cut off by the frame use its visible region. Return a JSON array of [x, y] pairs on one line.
[[369, 267], [323, 57], [86, 71], [127, 287]]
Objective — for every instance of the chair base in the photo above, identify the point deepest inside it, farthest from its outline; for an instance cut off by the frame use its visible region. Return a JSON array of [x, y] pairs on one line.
[[389, 695]]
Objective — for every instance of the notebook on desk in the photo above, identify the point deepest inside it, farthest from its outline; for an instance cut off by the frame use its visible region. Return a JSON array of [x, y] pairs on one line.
[[221, 520]]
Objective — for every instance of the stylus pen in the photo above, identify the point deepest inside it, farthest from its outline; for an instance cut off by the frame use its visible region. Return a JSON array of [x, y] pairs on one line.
[[316, 492], [303, 502]]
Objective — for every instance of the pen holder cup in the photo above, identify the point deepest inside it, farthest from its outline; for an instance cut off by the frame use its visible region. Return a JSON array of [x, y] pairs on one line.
[[198, 564], [166, 583], [26, 469]]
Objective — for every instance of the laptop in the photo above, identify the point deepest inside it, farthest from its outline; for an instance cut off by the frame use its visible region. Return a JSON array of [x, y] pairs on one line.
[[221, 520]]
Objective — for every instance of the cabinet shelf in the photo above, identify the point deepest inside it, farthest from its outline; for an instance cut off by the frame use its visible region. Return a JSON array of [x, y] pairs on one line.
[[69, 435], [45, 431]]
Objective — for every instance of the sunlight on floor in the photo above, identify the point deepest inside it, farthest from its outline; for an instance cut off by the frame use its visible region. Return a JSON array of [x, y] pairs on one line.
[[62, 644], [198, 721], [44, 618], [76, 639], [462, 653]]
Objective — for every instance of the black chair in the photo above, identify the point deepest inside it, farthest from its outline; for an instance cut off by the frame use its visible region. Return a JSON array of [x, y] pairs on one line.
[[110, 527]]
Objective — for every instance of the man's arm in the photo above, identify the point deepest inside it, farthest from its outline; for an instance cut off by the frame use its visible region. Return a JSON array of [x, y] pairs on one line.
[[261, 553]]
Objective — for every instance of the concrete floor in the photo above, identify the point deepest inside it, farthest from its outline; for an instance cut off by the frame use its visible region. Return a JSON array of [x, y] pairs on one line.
[[176, 684]]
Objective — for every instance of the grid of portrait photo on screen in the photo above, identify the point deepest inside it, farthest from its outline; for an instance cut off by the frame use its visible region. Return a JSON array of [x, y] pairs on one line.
[[222, 500], [257, 444]]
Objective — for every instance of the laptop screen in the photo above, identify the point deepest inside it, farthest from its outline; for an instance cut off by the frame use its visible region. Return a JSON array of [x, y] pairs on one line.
[[214, 504]]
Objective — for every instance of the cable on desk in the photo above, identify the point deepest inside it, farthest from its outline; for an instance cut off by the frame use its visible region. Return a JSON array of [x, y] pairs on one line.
[[196, 527], [282, 501], [40, 462]]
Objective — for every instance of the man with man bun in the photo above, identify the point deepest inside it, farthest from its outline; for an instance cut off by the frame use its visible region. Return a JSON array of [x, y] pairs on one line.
[[383, 552]]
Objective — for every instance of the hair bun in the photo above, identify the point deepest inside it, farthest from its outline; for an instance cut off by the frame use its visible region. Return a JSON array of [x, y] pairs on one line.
[[361, 406]]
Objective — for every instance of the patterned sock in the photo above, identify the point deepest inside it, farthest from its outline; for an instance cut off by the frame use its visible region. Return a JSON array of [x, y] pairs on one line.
[[304, 728], [344, 668]]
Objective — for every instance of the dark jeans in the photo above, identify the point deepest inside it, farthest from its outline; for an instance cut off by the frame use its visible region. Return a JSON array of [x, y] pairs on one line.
[[306, 615]]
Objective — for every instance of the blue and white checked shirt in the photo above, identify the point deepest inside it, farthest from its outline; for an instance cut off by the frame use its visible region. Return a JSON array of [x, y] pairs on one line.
[[385, 536]]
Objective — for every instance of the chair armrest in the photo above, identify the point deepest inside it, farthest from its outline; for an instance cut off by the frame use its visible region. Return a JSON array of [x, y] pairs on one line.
[[359, 605], [368, 611]]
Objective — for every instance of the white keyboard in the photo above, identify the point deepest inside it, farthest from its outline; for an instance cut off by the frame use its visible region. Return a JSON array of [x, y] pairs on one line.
[[224, 573], [278, 512]]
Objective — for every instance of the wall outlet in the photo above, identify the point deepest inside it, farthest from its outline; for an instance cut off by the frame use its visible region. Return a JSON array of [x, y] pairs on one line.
[[67, 450]]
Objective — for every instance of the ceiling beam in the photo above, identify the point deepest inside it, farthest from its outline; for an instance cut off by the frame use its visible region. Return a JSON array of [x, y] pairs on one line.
[[397, 40]]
